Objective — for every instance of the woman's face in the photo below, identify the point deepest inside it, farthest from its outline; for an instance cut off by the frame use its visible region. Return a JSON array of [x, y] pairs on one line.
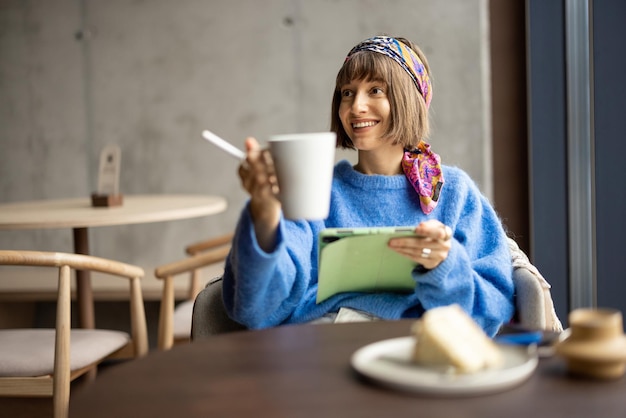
[[364, 112]]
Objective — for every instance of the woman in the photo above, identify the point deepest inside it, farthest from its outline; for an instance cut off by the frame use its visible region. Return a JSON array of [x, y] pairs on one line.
[[380, 108]]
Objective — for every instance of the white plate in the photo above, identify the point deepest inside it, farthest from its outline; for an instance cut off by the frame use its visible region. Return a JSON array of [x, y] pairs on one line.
[[388, 362]]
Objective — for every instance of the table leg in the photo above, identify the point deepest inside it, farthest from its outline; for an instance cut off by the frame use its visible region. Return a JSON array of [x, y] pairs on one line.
[[84, 292]]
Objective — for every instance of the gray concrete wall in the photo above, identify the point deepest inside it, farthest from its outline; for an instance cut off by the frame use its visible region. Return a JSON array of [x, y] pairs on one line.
[[150, 75]]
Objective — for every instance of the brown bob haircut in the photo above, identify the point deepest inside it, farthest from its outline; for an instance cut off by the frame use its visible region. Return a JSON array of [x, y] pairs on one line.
[[409, 113]]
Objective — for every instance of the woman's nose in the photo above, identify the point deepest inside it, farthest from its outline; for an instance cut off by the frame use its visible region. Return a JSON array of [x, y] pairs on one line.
[[360, 103]]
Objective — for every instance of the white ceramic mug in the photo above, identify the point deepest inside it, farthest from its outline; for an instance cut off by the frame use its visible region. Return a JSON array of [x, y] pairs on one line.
[[304, 169]]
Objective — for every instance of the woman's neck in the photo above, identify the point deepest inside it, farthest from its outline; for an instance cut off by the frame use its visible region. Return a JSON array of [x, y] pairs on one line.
[[386, 163]]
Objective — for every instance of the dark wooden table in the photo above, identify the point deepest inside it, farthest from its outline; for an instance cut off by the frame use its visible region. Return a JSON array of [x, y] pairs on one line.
[[304, 371]]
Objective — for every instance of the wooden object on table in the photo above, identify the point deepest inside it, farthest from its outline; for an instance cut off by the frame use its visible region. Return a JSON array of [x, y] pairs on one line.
[[37, 362], [109, 178], [106, 200], [175, 323], [595, 345]]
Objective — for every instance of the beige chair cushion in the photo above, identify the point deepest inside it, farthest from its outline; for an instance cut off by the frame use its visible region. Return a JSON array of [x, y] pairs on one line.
[[30, 352]]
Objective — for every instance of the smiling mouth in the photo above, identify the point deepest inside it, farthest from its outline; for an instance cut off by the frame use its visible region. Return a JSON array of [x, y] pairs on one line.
[[357, 125]]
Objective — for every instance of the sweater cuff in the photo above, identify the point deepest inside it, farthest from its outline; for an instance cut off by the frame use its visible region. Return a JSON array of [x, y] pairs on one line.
[[246, 227]]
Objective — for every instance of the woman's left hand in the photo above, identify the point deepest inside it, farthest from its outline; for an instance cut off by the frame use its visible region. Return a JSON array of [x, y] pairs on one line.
[[429, 248]]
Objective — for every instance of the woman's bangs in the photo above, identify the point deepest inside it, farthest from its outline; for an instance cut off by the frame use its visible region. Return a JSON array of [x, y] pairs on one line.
[[365, 65]]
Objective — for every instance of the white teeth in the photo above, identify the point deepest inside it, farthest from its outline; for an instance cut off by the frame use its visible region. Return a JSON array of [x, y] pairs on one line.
[[363, 124]]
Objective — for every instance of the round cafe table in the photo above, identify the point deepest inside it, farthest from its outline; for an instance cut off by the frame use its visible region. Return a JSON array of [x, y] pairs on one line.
[[79, 215], [304, 371]]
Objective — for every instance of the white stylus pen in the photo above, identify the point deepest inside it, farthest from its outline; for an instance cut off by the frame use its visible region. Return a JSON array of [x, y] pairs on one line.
[[226, 146]]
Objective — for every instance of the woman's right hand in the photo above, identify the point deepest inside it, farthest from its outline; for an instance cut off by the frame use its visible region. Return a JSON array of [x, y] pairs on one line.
[[258, 178]]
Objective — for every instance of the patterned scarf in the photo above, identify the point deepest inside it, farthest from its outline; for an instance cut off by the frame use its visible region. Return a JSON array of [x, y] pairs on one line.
[[421, 166]]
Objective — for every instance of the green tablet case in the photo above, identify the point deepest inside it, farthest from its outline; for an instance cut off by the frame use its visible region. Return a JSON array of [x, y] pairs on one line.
[[359, 260]]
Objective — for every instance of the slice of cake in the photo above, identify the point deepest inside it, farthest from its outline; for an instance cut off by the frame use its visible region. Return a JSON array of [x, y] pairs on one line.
[[447, 336]]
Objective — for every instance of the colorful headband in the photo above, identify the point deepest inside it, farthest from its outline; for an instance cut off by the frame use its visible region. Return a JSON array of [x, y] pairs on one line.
[[403, 55]]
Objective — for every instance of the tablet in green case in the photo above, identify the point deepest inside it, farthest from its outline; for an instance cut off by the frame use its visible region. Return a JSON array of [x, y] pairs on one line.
[[359, 260]]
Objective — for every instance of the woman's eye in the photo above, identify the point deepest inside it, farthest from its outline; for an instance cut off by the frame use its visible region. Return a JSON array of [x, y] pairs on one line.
[[377, 90], [346, 93]]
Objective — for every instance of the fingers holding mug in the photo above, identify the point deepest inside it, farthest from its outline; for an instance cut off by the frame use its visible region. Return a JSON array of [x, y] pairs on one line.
[[257, 172]]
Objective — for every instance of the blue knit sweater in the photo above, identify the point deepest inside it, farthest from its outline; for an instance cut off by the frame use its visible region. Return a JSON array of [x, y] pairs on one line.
[[267, 289]]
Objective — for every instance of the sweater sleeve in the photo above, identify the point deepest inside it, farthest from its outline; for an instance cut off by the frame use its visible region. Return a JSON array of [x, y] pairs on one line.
[[477, 273], [262, 289]]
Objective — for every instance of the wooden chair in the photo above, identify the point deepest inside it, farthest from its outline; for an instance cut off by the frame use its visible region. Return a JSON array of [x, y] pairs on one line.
[[43, 362], [175, 321]]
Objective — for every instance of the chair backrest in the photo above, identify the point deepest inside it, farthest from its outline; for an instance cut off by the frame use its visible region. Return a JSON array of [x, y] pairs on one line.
[[533, 300], [533, 303], [209, 314], [57, 382]]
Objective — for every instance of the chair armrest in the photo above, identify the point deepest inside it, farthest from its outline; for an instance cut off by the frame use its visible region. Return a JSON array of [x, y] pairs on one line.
[[189, 264], [202, 246], [74, 261]]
